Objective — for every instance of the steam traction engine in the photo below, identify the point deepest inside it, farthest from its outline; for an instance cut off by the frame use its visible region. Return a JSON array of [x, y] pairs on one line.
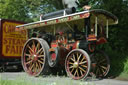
[[68, 41]]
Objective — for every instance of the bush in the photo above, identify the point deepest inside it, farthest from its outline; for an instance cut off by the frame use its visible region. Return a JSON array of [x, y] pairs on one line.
[[118, 60]]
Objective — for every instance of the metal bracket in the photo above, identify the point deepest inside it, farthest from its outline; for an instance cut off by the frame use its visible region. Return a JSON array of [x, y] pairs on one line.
[[107, 29], [96, 26]]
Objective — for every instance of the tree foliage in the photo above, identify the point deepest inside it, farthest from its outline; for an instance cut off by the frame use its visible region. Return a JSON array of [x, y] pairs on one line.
[[24, 10], [13, 9]]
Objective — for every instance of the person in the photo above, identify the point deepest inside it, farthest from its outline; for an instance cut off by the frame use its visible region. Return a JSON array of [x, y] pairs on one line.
[[70, 3]]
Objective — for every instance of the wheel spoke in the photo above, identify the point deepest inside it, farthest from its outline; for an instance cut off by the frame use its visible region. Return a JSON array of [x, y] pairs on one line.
[[82, 69], [82, 59], [103, 67], [31, 53], [83, 62], [84, 66], [39, 65], [35, 69], [70, 63], [37, 47], [71, 67], [79, 58], [97, 71], [28, 62], [81, 72], [27, 55], [39, 50], [28, 59], [40, 62], [102, 70], [30, 49], [77, 72], [72, 70], [31, 67], [72, 59], [41, 56]]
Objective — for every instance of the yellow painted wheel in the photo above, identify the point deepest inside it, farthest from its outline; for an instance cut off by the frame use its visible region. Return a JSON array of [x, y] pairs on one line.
[[77, 64]]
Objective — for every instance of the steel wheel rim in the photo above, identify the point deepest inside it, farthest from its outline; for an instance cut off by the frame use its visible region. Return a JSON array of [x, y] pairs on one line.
[[102, 65], [77, 65], [33, 59]]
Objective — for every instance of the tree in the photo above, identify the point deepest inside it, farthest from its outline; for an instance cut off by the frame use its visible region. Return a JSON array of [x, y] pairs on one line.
[[13, 9], [23, 10]]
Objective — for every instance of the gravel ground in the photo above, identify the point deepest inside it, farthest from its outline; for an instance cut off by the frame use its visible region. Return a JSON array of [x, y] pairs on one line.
[[58, 80]]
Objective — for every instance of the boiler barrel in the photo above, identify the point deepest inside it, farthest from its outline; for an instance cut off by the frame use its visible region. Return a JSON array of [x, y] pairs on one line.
[[59, 13]]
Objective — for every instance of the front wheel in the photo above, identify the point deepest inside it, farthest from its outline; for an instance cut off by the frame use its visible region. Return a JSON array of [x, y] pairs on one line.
[[77, 64]]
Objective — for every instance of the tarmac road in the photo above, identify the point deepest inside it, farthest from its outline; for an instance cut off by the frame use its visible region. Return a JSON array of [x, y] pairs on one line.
[[59, 80]]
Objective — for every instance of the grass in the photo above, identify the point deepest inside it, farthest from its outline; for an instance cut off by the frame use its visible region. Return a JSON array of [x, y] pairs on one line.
[[123, 77], [14, 82], [50, 80]]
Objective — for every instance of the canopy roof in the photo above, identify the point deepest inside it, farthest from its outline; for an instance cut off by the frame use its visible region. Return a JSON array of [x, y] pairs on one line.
[[101, 15]]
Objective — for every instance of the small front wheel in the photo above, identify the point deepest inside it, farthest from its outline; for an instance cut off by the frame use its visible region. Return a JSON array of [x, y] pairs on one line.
[[77, 64]]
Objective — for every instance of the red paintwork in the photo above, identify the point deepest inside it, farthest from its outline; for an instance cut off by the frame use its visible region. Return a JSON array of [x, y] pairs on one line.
[[101, 41], [53, 56], [62, 56], [91, 47], [54, 45]]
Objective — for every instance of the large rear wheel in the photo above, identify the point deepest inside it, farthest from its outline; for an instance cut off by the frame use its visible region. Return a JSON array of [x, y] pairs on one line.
[[100, 64], [77, 64], [34, 57]]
